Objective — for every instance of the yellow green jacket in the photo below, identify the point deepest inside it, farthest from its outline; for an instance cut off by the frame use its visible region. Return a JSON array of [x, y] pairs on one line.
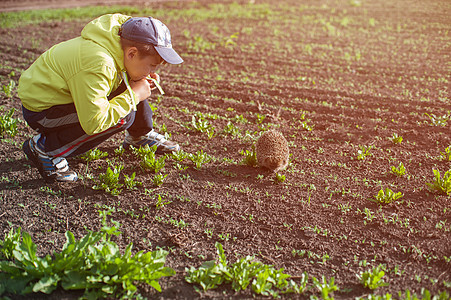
[[83, 71]]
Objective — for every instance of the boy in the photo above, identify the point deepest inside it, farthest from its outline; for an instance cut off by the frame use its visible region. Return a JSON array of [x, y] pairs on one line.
[[82, 91]]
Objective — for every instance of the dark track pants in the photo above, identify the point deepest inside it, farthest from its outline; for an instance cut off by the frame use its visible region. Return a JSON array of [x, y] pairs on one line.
[[62, 134]]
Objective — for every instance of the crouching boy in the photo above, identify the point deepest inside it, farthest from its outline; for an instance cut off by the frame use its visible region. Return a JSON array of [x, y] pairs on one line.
[[82, 91]]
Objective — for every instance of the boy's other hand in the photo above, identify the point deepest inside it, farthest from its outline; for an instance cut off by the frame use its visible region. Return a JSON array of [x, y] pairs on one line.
[[141, 89]]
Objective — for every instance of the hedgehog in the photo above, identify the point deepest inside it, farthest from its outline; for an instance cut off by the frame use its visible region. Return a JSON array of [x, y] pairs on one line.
[[272, 151]]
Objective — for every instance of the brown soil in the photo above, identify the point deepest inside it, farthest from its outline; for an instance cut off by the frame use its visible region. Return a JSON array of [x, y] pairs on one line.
[[356, 83]]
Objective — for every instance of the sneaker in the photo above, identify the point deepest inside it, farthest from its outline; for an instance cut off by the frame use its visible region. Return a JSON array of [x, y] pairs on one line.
[[152, 138], [51, 168]]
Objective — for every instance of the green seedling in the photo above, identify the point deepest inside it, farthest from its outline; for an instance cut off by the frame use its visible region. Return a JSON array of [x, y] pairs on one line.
[[279, 178], [441, 185], [396, 139], [387, 196], [199, 159], [94, 264], [325, 287], [200, 124], [372, 279], [179, 156], [263, 279], [109, 181], [130, 182], [250, 157], [399, 171], [158, 179], [425, 295], [446, 155], [9, 88], [437, 120], [119, 151], [231, 129], [94, 154], [148, 158], [363, 152], [8, 124], [161, 202]]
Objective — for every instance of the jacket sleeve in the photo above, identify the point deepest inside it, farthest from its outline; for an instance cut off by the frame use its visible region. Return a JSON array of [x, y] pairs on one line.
[[89, 90]]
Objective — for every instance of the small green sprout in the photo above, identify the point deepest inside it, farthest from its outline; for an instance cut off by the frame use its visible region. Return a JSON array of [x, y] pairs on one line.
[[372, 279], [130, 182], [279, 178], [441, 185], [363, 152], [158, 179], [8, 124], [250, 157], [399, 171], [109, 181], [387, 196], [93, 154], [199, 159], [396, 139], [9, 88], [446, 155]]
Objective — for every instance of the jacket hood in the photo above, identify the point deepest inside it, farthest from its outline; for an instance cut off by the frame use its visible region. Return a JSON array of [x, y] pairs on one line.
[[104, 31]]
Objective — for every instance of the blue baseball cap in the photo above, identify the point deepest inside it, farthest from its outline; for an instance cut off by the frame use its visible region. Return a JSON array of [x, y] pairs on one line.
[[148, 30]]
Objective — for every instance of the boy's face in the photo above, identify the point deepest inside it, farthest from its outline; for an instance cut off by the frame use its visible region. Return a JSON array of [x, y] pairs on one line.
[[140, 66]]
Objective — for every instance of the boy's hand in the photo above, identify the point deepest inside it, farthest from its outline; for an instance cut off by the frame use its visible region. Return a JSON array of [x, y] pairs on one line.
[[141, 88], [156, 77]]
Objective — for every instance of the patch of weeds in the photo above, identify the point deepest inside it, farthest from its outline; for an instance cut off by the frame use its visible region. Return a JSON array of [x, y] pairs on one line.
[[250, 157], [372, 279], [109, 181], [263, 279], [363, 152], [387, 196], [199, 159], [8, 124], [399, 171], [93, 154], [93, 264], [441, 185]]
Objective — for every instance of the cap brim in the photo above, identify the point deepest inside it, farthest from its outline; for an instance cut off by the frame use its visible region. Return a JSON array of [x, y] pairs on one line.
[[169, 55]]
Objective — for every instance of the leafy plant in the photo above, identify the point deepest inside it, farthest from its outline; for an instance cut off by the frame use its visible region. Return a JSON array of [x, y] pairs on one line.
[[199, 159], [231, 129], [109, 181], [279, 178], [93, 264], [447, 154], [130, 182], [441, 185], [94, 154], [9, 88], [399, 171], [387, 196], [325, 287], [158, 179], [8, 124], [179, 156], [250, 157], [396, 139], [148, 158], [203, 125], [363, 152], [372, 279], [263, 279]]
